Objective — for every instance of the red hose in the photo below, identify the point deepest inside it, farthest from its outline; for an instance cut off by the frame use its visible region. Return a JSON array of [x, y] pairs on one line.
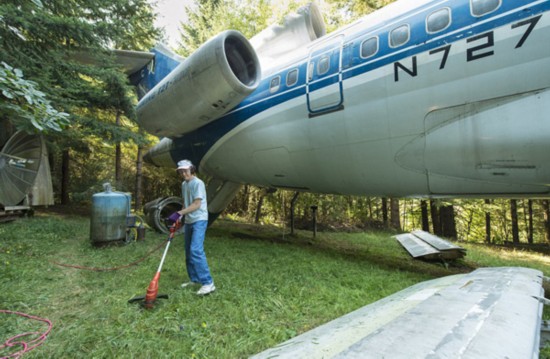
[[26, 346], [113, 268]]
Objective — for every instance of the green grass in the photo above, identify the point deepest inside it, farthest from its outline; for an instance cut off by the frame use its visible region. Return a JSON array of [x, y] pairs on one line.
[[270, 288]]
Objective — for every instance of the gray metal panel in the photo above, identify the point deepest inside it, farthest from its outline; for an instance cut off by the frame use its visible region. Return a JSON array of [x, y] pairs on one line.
[[415, 246], [336, 336], [489, 313], [435, 241]]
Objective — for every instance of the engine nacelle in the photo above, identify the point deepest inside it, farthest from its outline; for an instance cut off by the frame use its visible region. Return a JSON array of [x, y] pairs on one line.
[[216, 78], [297, 31]]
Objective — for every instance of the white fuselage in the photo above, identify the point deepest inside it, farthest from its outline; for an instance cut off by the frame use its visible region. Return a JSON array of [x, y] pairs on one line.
[[466, 116]]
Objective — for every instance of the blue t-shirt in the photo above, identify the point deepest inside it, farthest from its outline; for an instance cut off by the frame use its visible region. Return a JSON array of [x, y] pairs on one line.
[[190, 191]]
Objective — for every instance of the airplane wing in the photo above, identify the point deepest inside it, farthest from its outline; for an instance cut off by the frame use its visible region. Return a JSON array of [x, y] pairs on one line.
[[488, 313], [131, 61]]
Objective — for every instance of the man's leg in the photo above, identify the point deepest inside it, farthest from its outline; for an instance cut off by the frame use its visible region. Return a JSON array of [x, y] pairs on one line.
[[198, 257], [188, 236]]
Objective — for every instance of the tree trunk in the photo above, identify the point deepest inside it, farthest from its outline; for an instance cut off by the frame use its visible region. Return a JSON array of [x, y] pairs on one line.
[[139, 180], [118, 159], [65, 159], [394, 209], [425, 219], [530, 233], [434, 212], [292, 206], [487, 222], [369, 206], [546, 208], [385, 212], [447, 221], [259, 207], [514, 214]]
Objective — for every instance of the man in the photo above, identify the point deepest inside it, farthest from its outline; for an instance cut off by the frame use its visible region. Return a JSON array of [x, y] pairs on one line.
[[196, 221]]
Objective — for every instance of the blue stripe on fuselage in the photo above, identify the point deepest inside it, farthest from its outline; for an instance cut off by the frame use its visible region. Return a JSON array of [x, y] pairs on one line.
[[196, 144]]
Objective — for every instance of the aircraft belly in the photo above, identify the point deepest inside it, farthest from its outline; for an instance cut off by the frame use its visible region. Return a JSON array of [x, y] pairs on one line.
[[494, 146], [286, 149]]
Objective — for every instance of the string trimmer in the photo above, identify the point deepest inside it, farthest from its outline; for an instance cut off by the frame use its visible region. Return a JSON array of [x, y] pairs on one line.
[[149, 299]]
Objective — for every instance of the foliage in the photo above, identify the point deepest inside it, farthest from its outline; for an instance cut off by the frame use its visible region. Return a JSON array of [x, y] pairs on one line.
[[25, 105], [260, 274], [212, 17], [64, 47], [95, 166]]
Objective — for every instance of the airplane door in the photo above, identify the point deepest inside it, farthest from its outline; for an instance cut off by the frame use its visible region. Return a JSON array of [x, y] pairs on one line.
[[324, 90]]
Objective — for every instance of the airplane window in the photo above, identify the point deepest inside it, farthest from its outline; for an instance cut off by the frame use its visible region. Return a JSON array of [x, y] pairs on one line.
[[275, 84], [292, 77], [310, 71], [482, 7], [399, 36], [369, 47], [438, 20], [323, 65]]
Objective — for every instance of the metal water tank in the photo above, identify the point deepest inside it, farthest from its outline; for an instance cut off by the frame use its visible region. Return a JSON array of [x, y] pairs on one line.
[[109, 212]]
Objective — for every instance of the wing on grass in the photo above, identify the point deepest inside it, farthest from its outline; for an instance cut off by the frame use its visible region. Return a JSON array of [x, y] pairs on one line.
[[489, 313]]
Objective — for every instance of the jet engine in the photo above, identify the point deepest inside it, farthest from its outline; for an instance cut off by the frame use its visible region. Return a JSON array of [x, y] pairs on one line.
[[297, 31], [216, 78]]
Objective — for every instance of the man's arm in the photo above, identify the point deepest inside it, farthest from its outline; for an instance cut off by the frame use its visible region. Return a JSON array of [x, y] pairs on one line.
[[192, 207]]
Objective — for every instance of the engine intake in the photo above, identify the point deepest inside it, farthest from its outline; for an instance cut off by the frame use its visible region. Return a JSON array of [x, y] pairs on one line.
[[209, 83]]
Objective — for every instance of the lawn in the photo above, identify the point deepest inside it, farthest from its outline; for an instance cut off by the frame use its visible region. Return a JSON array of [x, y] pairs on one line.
[[270, 287]]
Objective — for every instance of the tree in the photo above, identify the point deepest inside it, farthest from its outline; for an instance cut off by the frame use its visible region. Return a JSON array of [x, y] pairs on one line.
[[546, 208], [514, 215], [395, 217], [530, 222], [49, 41], [26, 106], [425, 220], [212, 17], [385, 211], [434, 213], [447, 221], [487, 222]]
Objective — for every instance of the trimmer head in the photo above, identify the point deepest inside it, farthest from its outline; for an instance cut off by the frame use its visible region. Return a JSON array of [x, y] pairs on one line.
[[152, 291], [142, 299]]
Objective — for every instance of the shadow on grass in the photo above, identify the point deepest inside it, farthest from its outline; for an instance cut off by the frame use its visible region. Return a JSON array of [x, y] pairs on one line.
[[375, 247]]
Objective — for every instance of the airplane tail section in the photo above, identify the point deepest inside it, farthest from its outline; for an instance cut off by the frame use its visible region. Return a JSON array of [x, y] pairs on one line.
[[165, 61], [294, 34]]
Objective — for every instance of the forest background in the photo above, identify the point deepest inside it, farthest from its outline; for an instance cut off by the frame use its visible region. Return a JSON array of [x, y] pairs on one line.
[[86, 113]]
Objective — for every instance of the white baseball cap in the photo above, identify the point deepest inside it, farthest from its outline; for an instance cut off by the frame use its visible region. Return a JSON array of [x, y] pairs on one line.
[[184, 164]]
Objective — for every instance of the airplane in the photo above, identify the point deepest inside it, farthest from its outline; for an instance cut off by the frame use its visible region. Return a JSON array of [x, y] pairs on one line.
[[431, 98], [427, 98]]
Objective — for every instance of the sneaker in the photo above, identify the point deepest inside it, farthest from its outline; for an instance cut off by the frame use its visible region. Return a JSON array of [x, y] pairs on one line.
[[207, 289], [187, 284]]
